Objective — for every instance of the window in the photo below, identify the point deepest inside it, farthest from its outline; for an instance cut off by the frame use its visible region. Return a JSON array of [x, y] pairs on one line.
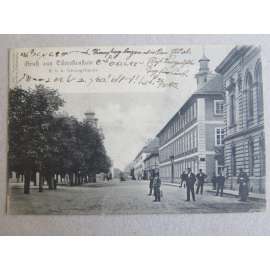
[[219, 136], [251, 157], [248, 86], [262, 156], [188, 115], [232, 110], [195, 138], [259, 86], [218, 107], [233, 160]]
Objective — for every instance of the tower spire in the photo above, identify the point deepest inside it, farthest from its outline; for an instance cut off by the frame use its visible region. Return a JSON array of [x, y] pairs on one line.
[[91, 118], [203, 73]]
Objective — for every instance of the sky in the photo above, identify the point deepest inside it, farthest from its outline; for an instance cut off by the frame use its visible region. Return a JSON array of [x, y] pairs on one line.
[[129, 119], [129, 114]]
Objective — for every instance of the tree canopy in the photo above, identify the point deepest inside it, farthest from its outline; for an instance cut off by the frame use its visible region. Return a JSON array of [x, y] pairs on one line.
[[44, 140]]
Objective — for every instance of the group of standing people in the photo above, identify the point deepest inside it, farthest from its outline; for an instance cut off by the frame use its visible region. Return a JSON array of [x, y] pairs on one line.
[[218, 183], [189, 179]]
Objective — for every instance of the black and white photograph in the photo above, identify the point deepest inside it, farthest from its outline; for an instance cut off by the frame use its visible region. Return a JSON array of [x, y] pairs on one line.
[[120, 130], [134, 135]]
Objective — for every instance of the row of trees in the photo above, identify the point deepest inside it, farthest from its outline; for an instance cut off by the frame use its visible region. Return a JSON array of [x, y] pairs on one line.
[[42, 140]]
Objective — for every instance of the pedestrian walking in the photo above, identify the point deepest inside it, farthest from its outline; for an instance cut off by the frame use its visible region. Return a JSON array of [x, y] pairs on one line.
[[213, 180], [190, 181], [152, 176], [220, 180], [156, 185], [183, 178], [200, 181]]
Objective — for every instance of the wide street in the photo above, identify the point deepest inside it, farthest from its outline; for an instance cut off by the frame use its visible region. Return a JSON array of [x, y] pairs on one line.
[[117, 197]]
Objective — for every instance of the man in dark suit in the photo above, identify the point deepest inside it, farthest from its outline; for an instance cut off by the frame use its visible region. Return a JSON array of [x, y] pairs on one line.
[[183, 178], [200, 177], [190, 181], [152, 175], [156, 185], [220, 183]]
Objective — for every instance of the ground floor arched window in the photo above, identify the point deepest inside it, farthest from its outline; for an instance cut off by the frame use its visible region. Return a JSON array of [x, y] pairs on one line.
[[233, 160], [251, 157], [262, 155]]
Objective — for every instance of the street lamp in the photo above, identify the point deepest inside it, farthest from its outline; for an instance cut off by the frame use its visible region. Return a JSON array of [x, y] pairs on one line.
[[172, 168]]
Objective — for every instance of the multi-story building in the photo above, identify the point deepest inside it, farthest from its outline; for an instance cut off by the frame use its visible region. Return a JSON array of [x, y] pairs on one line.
[[139, 164], [244, 144], [151, 163], [192, 136]]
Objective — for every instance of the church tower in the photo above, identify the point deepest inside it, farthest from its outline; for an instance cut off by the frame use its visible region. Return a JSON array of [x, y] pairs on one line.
[[203, 75], [91, 119]]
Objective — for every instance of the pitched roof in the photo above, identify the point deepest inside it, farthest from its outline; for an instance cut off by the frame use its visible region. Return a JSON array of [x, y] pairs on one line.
[[232, 56], [213, 85]]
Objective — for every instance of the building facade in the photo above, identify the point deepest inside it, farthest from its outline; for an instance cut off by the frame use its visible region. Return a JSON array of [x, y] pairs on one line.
[[244, 141], [193, 136], [140, 171], [151, 163], [139, 165]]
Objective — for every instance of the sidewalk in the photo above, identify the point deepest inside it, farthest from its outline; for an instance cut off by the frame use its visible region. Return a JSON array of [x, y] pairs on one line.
[[234, 193], [226, 192], [20, 185]]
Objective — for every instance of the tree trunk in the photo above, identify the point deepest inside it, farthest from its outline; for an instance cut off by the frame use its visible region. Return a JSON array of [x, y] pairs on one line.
[[27, 177], [34, 178], [55, 181], [17, 177], [62, 175], [70, 176], [40, 186], [49, 181], [76, 179]]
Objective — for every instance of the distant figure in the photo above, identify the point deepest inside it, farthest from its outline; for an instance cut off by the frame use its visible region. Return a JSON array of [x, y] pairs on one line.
[[190, 181], [156, 185], [152, 175], [108, 176], [243, 182], [213, 180], [200, 177], [122, 177], [183, 178], [220, 180]]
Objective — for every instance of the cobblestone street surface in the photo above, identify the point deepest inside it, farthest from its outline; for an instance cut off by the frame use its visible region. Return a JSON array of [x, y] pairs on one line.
[[116, 197]]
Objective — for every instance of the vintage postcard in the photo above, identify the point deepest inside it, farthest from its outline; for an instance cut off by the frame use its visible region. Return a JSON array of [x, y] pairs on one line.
[[173, 129]]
